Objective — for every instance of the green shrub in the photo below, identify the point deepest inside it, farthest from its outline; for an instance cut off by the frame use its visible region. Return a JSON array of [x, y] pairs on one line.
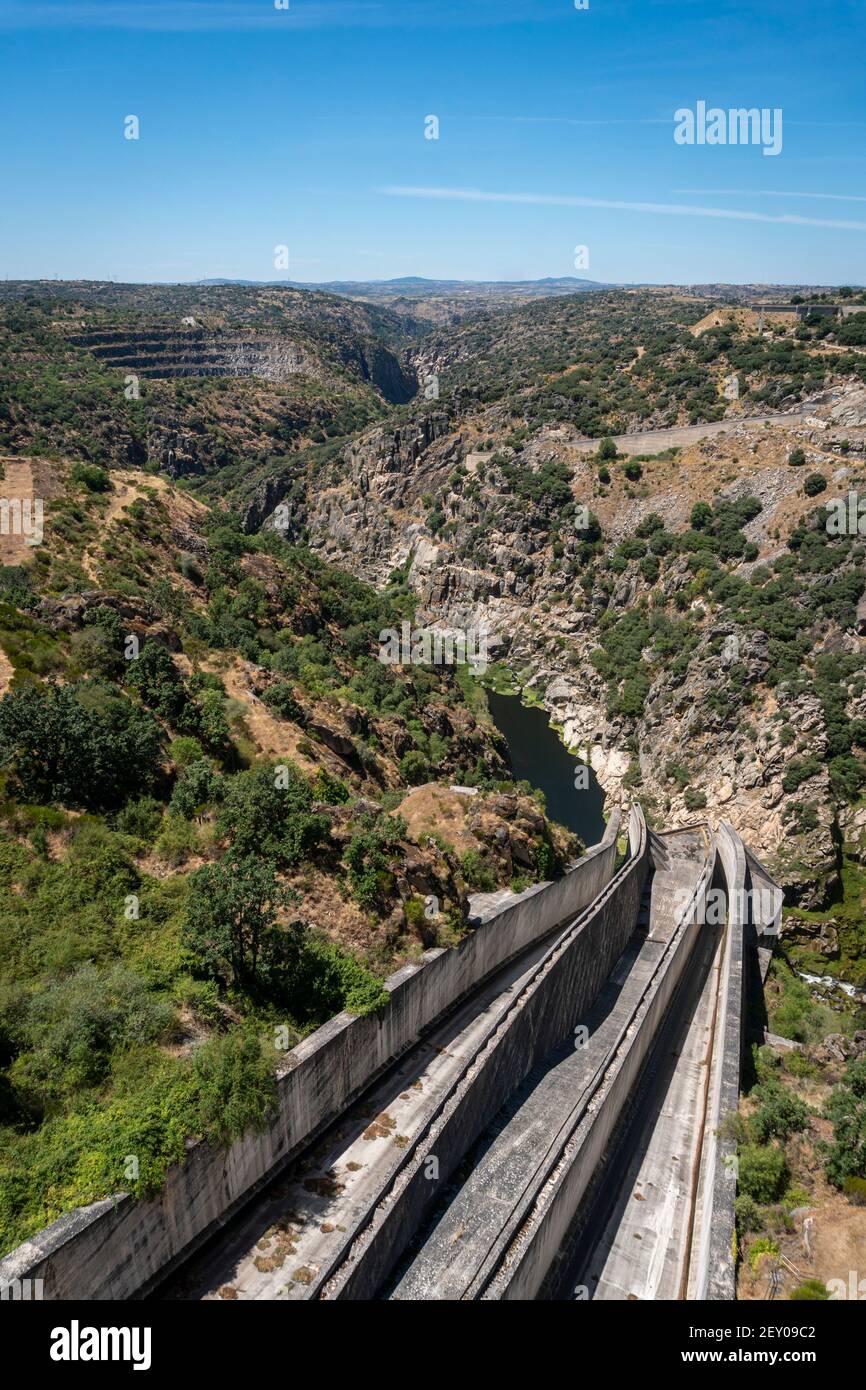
[[810, 1291], [330, 789], [70, 1029], [177, 841], [763, 1173], [236, 1085], [748, 1214], [141, 819], [329, 980], [766, 1062], [764, 1245], [90, 476], [779, 1114], [476, 872], [855, 1190], [845, 1157]]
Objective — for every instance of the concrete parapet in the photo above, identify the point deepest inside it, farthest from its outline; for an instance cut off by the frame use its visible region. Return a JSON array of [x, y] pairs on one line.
[[715, 1260]]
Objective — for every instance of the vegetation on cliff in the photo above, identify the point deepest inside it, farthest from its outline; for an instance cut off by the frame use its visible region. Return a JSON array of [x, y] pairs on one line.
[[202, 850]]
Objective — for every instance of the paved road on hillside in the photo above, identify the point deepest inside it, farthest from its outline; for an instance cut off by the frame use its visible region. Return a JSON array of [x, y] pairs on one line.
[[654, 441]]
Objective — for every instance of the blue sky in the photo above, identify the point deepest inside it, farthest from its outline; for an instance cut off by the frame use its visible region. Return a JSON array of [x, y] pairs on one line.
[[304, 127]]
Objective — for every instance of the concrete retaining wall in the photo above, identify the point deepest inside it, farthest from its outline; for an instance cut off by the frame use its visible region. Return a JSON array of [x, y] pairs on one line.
[[766, 912], [120, 1248], [546, 1011], [715, 1260], [526, 1264]]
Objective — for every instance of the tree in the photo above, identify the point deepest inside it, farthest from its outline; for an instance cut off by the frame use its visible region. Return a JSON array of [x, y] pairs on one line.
[[266, 812], [95, 479], [701, 517], [815, 483], [231, 924], [606, 450], [763, 1173], [368, 855], [414, 768], [195, 788], [281, 699], [797, 458], [80, 745], [99, 646], [155, 677]]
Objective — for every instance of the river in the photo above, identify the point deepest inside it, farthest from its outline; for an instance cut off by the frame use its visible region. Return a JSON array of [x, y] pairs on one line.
[[539, 756]]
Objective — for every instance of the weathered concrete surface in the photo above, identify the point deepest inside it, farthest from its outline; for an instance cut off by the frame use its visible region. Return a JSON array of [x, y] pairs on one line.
[[765, 916], [322, 1203], [546, 1011], [531, 1253], [119, 1248], [713, 1275], [644, 1250], [471, 1239]]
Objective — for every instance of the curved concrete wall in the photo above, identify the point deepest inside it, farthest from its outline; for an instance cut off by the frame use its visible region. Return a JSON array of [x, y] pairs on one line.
[[120, 1248], [765, 915], [716, 1273]]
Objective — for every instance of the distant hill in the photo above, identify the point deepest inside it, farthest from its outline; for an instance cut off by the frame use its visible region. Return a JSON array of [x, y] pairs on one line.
[[420, 285]]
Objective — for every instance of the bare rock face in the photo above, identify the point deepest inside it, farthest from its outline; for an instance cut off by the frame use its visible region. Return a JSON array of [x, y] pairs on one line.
[[69, 613], [265, 499], [822, 937], [852, 823], [429, 498], [837, 1048], [846, 407]]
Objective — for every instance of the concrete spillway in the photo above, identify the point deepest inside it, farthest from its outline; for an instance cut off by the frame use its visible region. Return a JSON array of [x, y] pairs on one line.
[[477, 1246], [535, 1114]]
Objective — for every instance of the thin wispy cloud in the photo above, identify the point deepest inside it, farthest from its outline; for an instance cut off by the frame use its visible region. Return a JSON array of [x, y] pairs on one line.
[[477, 195], [579, 121], [770, 193]]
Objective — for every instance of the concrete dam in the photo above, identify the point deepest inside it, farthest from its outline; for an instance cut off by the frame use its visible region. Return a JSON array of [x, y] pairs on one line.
[[538, 1113]]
